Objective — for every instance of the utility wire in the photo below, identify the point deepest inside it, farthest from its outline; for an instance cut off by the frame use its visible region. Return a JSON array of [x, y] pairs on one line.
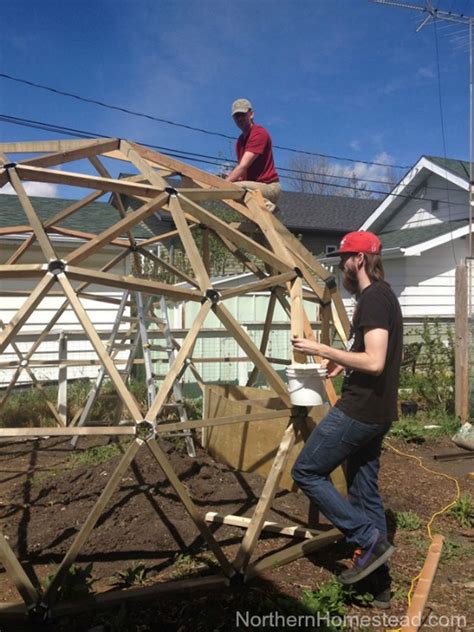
[[221, 161], [69, 131], [181, 153], [151, 117]]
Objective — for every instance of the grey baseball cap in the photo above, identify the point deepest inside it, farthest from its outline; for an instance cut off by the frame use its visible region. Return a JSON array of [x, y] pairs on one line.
[[241, 105]]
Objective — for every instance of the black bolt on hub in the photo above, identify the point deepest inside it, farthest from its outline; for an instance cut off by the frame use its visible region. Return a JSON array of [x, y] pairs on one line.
[[56, 267], [145, 430]]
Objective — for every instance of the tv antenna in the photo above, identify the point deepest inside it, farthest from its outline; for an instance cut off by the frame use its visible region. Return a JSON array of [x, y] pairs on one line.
[[433, 14]]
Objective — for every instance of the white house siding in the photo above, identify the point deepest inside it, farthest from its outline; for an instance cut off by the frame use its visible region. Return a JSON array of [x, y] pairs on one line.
[[453, 204], [102, 316], [215, 341]]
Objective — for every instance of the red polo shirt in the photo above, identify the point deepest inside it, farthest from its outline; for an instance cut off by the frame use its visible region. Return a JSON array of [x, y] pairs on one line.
[[258, 141]]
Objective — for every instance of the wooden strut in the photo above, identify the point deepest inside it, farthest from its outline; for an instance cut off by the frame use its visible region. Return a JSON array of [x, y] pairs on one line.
[[40, 339], [67, 431], [94, 515], [254, 529], [15, 570], [124, 394], [188, 504], [265, 335], [293, 531], [24, 366]]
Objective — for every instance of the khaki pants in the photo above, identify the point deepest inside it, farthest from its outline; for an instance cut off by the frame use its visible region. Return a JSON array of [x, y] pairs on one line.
[[270, 191]]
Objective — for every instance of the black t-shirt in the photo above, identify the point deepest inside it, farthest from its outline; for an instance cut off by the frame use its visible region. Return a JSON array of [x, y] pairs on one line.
[[373, 398]]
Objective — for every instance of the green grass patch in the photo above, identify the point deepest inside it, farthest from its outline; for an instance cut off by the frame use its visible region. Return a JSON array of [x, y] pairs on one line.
[[408, 520], [463, 511], [412, 429], [96, 454]]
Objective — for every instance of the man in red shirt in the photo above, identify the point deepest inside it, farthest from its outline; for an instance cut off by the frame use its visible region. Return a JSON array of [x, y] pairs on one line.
[[256, 169]]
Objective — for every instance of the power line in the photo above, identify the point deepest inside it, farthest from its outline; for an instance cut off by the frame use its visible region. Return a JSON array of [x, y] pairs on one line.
[[186, 155], [183, 155], [222, 161], [157, 119]]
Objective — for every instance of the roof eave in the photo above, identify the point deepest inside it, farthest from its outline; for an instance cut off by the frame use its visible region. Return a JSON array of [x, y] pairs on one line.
[[422, 163]]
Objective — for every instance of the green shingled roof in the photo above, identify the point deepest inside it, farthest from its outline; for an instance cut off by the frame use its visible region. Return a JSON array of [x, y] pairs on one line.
[[413, 236], [93, 218], [458, 167]]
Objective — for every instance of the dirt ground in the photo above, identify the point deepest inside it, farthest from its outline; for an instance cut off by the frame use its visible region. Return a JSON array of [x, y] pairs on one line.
[[46, 494]]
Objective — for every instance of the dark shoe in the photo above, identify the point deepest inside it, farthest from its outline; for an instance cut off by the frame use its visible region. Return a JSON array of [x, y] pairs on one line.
[[365, 561], [375, 589], [382, 600]]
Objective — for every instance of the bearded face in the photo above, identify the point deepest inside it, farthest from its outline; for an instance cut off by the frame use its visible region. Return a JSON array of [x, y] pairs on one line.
[[348, 267], [349, 280]]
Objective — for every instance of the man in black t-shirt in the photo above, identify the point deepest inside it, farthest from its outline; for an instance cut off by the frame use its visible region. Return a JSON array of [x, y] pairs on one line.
[[353, 430]]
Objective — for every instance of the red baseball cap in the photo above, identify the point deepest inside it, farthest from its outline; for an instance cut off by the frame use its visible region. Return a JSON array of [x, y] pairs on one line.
[[359, 241]]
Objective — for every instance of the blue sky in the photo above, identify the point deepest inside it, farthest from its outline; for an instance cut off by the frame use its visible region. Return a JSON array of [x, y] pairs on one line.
[[341, 77]]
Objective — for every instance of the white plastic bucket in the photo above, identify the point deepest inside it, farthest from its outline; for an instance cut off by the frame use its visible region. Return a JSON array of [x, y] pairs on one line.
[[306, 384]]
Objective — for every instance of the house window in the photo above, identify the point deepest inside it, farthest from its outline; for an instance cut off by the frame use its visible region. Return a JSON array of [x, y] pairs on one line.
[[434, 205], [329, 249]]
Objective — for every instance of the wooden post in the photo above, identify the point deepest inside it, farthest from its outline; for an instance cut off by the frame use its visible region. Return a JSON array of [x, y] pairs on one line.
[[62, 377], [461, 349]]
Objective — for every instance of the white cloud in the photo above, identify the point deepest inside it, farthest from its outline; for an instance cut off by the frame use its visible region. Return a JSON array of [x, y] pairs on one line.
[[425, 71], [40, 189], [362, 171]]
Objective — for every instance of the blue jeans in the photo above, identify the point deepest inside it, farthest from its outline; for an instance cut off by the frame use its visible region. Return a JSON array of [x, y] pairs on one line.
[[336, 439]]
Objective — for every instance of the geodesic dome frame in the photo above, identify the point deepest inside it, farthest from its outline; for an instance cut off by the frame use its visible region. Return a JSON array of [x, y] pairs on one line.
[[260, 242]]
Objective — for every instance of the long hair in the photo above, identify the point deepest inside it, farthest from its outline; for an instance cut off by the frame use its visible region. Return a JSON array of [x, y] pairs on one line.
[[374, 267]]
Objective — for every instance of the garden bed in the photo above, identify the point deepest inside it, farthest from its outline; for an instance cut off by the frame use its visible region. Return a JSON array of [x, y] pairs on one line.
[[145, 535]]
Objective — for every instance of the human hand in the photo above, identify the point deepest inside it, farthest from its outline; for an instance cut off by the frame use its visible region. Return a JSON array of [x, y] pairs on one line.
[[303, 345], [333, 369]]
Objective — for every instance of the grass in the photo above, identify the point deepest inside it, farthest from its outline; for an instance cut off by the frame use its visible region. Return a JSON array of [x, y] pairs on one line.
[[412, 428], [26, 407], [134, 575], [77, 582], [97, 454], [90, 456], [463, 511], [189, 564], [408, 520]]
